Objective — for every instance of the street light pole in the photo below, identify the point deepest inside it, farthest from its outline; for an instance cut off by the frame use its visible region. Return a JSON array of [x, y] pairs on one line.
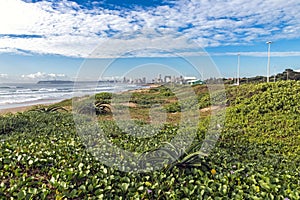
[[268, 67], [274, 74], [238, 71]]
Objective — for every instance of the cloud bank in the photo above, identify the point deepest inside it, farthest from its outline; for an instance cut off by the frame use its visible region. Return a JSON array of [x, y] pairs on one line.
[[3, 76], [68, 29], [43, 76], [260, 54]]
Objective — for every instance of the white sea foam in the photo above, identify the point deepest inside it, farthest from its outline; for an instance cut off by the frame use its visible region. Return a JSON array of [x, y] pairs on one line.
[[22, 94]]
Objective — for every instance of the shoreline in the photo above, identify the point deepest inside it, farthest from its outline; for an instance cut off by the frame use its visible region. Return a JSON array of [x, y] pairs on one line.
[[23, 108], [30, 105], [15, 109]]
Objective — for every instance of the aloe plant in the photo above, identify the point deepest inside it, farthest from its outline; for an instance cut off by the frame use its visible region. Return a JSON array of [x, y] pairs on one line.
[[176, 157], [50, 109], [97, 108], [102, 108], [257, 156]]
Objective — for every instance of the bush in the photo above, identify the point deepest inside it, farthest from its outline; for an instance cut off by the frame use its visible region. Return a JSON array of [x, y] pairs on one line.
[[173, 107], [104, 97]]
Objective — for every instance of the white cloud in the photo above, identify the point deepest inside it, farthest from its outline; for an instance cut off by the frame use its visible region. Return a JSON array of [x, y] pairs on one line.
[[3, 76], [74, 31], [259, 54], [43, 76], [13, 50]]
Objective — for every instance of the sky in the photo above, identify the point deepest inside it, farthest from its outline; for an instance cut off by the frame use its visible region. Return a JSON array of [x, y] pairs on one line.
[[87, 40]]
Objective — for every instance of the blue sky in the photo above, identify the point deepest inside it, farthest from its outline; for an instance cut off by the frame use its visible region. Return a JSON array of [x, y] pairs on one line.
[[42, 39]]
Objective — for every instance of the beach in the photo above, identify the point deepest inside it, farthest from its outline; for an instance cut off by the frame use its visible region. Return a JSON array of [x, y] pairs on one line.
[[21, 97], [15, 110], [21, 107]]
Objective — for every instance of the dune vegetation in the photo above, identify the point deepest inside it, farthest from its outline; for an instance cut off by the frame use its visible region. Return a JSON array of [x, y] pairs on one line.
[[256, 156]]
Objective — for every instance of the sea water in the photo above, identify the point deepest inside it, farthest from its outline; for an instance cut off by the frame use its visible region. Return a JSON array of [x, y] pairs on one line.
[[14, 95]]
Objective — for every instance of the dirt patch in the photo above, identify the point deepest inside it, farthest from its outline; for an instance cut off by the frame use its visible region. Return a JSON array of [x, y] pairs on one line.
[[211, 108]]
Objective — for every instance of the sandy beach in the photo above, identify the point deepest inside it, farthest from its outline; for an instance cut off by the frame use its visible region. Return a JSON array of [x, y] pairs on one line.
[[15, 110], [30, 105], [22, 108]]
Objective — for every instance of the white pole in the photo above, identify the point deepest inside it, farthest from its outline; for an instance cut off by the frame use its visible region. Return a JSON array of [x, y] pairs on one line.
[[274, 74], [268, 67], [238, 71]]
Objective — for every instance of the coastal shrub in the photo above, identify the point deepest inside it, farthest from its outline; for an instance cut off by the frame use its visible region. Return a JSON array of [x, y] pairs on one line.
[[65, 103], [103, 97], [256, 156], [166, 92], [90, 107], [48, 109], [173, 107], [145, 100]]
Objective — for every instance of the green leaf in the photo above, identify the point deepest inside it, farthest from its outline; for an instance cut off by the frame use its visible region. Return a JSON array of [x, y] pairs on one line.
[[141, 188], [21, 194], [80, 166], [264, 185], [194, 155], [90, 187], [124, 186], [32, 190], [105, 171], [73, 193]]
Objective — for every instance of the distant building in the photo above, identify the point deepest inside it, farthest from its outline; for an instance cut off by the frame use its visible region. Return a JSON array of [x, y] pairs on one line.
[[188, 79], [195, 82], [168, 79]]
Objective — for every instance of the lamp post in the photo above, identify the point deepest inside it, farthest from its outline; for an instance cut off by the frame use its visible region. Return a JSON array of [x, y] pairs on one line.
[[268, 67], [274, 74], [238, 70]]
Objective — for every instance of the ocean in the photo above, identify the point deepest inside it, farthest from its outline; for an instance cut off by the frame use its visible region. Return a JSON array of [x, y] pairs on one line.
[[13, 95]]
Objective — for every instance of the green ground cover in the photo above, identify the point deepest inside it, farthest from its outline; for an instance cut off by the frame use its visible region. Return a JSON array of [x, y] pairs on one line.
[[255, 157]]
